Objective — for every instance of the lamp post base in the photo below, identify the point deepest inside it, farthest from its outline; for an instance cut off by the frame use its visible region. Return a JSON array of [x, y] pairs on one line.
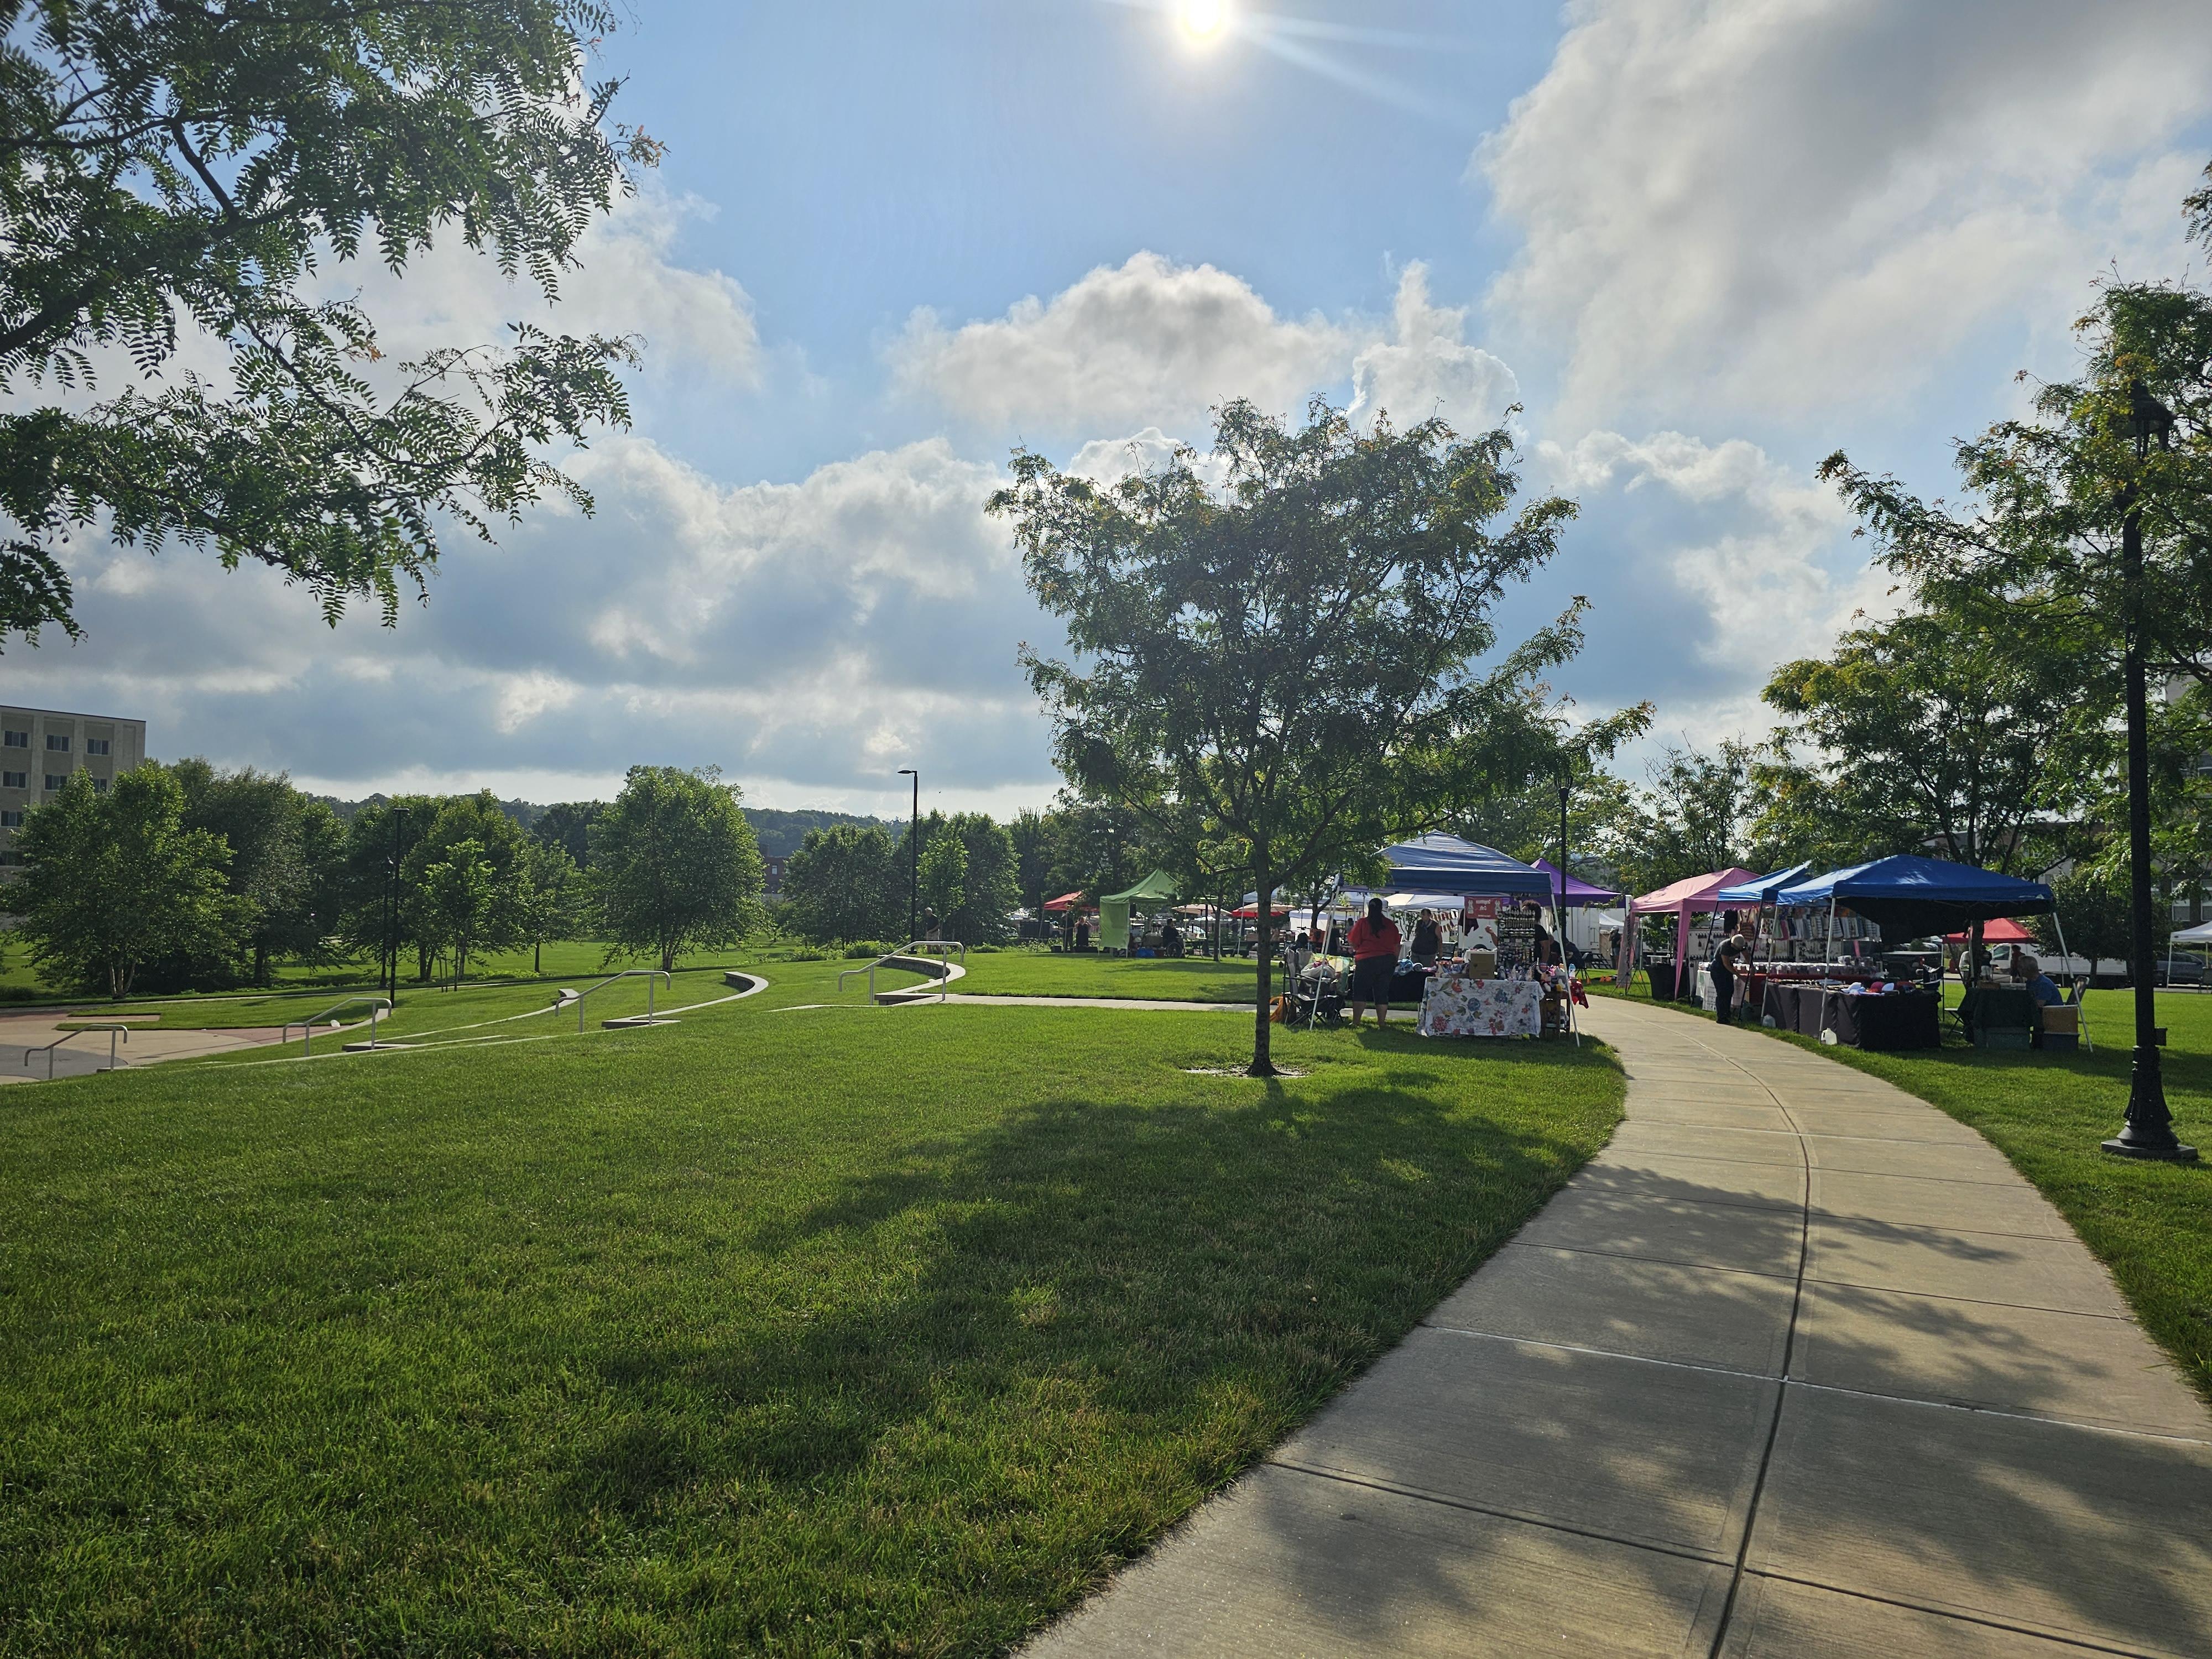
[[2175, 1152]]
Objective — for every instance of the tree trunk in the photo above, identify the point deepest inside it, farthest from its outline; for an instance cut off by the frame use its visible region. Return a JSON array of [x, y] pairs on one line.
[[1261, 1065], [537, 957], [261, 959]]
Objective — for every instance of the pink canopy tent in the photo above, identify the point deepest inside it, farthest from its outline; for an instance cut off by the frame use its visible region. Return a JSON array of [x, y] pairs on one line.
[[1692, 895]]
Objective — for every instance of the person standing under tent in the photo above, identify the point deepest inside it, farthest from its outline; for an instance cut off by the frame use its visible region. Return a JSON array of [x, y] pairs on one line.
[[1374, 946], [1428, 939], [1727, 958]]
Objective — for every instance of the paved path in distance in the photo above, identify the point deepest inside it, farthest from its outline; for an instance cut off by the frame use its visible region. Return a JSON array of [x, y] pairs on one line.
[[88, 1052], [1797, 1365]]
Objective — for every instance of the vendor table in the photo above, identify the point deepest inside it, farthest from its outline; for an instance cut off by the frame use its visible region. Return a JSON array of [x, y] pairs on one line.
[[1986, 1010], [1888, 1020], [1454, 1005]]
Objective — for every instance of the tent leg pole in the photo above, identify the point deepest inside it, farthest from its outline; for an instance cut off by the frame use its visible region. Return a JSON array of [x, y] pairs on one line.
[[2081, 994]]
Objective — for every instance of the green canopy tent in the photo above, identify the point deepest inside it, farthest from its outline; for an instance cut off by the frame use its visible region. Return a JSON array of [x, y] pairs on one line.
[[1113, 908]]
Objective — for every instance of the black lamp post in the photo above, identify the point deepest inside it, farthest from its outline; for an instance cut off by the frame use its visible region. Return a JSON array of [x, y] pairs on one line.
[[1565, 791], [914, 857], [2149, 1131], [392, 915]]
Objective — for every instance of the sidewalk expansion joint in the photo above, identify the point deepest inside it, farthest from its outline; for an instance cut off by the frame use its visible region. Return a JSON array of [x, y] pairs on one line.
[[1679, 1551]]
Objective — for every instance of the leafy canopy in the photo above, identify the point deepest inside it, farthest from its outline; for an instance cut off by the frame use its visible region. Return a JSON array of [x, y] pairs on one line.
[[1959, 725], [178, 171], [674, 865], [1280, 665], [116, 880]]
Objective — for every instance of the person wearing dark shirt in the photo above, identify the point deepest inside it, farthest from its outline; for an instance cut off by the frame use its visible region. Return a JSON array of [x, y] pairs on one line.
[[1428, 939], [1171, 938], [1374, 946], [1726, 959]]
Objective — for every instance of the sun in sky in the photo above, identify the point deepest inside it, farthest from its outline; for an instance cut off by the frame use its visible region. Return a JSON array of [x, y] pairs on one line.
[[1205, 20]]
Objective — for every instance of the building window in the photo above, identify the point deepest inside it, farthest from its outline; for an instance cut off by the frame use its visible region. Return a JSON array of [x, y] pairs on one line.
[[11, 820], [58, 743], [12, 860], [99, 786], [95, 745], [56, 780], [17, 740], [14, 780]]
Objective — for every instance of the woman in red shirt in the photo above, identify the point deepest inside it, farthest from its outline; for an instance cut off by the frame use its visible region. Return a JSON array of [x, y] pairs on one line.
[[1374, 946]]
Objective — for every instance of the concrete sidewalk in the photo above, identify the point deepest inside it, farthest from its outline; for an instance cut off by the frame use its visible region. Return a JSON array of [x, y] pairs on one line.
[[1797, 1365], [87, 1052]]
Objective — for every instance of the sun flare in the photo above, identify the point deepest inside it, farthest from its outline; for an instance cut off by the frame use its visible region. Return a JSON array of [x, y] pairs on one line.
[[1205, 20]]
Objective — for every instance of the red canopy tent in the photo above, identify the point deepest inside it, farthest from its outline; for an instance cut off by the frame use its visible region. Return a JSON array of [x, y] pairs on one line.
[[2003, 930], [1064, 901]]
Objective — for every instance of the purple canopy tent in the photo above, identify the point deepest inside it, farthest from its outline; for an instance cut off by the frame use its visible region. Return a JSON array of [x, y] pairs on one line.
[[1580, 893]]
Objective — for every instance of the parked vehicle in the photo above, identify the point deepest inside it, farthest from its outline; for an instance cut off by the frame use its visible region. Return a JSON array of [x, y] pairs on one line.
[[2183, 968], [2105, 971]]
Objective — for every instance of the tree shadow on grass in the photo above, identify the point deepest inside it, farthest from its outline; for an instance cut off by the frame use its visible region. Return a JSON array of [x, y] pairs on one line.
[[1032, 1346]]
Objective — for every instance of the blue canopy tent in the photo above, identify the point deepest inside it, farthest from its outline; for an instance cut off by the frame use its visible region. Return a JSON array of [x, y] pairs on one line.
[[1908, 896], [1762, 891], [1444, 864]]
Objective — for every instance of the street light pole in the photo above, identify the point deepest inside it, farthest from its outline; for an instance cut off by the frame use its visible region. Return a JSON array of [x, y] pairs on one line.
[[391, 915], [2149, 1131], [1565, 791], [914, 859]]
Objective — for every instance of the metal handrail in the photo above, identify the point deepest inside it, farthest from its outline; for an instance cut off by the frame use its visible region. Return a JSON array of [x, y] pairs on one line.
[[48, 1049], [648, 974], [377, 1007], [942, 946]]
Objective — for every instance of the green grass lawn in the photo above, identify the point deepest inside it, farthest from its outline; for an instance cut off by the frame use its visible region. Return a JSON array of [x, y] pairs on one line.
[[2151, 1224], [1039, 974], [829, 1330]]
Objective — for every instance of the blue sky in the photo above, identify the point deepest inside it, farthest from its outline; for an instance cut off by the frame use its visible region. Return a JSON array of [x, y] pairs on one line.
[[1701, 242]]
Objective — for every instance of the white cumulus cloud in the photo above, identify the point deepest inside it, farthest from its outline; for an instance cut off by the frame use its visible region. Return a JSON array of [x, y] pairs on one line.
[[1783, 205], [1147, 342]]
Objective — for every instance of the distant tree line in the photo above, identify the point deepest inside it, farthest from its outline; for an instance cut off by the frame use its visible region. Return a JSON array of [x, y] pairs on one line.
[[185, 877]]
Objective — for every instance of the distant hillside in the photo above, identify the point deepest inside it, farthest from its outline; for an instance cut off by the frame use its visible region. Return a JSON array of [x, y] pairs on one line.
[[778, 832]]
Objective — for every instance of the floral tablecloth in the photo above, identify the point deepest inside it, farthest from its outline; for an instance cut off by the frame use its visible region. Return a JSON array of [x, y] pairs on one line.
[[1458, 1006]]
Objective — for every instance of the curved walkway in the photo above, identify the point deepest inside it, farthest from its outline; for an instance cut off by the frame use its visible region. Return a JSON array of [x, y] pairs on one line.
[[1798, 1364]]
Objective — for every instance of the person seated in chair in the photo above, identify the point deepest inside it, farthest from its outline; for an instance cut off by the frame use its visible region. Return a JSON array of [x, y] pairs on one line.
[[1171, 938], [2040, 986]]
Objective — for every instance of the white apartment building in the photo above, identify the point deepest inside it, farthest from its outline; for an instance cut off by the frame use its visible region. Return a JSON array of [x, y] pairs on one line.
[[40, 747]]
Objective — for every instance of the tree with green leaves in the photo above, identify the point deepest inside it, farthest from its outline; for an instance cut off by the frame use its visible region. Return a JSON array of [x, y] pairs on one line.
[[454, 900], [2093, 506], [943, 879], [674, 865], [980, 883], [116, 880], [1031, 834], [174, 172], [1954, 727], [378, 838], [492, 839], [281, 842], [1287, 657], [1693, 814], [568, 824], [549, 896], [844, 884]]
